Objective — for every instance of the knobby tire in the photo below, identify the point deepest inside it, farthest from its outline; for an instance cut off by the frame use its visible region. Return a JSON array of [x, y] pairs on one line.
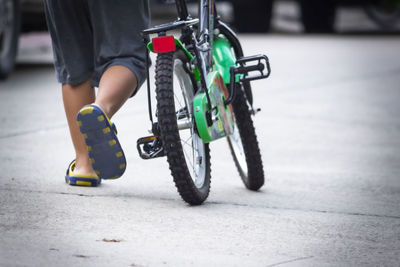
[[254, 179], [170, 137]]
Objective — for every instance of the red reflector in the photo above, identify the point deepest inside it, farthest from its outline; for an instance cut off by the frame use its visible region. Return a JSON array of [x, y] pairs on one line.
[[163, 44]]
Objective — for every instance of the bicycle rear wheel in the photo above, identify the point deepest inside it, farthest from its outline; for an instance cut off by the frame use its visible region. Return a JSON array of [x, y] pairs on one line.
[[244, 145], [187, 155]]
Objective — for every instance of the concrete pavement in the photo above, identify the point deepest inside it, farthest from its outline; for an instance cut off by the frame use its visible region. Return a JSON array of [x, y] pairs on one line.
[[329, 132]]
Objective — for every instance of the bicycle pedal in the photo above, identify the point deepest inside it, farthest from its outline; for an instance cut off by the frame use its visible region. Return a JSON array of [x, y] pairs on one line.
[[150, 147], [245, 67]]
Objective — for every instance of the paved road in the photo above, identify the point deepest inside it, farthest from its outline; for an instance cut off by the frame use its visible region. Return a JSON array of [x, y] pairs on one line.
[[329, 133]]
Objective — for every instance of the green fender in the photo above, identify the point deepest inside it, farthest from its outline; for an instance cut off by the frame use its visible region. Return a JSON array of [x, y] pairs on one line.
[[224, 58], [222, 118]]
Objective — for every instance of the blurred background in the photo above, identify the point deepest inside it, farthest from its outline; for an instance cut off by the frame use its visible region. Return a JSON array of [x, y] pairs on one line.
[[22, 22], [329, 134]]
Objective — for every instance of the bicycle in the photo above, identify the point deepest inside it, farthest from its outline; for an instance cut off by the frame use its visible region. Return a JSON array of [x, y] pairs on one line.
[[196, 107]]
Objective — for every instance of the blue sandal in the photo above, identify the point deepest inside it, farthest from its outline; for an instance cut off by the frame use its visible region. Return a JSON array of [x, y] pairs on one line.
[[105, 152], [72, 178]]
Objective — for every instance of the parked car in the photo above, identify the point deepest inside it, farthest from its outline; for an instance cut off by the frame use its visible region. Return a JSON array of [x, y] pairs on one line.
[[17, 15], [9, 31]]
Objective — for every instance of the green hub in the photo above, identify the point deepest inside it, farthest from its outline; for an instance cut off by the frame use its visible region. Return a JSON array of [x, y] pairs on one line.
[[221, 116]]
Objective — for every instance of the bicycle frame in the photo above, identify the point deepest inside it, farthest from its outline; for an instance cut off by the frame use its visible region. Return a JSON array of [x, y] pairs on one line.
[[205, 29], [182, 9], [214, 64]]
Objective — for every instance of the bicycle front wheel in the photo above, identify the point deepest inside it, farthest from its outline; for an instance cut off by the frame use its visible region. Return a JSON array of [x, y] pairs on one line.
[[244, 145], [187, 155]]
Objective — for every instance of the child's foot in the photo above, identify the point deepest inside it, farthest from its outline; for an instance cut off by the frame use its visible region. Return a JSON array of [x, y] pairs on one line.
[[84, 169], [73, 178], [105, 152]]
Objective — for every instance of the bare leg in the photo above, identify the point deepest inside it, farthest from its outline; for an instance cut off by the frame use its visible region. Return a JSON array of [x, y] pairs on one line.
[[116, 85], [75, 97]]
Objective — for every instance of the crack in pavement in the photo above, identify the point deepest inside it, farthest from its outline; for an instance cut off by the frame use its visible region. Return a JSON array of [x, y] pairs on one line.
[[306, 210], [209, 203], [289, 261]]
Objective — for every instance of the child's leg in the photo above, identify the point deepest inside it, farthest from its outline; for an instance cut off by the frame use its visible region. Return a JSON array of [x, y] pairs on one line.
[[75, 97], [116, 85]]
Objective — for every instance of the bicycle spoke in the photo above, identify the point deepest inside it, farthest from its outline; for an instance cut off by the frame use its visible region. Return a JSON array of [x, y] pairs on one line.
[[188, 161], [186, 141], [179, 102], [191, 146]]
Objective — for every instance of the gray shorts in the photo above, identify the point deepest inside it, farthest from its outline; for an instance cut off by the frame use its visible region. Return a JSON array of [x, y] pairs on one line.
[[90, 36]]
